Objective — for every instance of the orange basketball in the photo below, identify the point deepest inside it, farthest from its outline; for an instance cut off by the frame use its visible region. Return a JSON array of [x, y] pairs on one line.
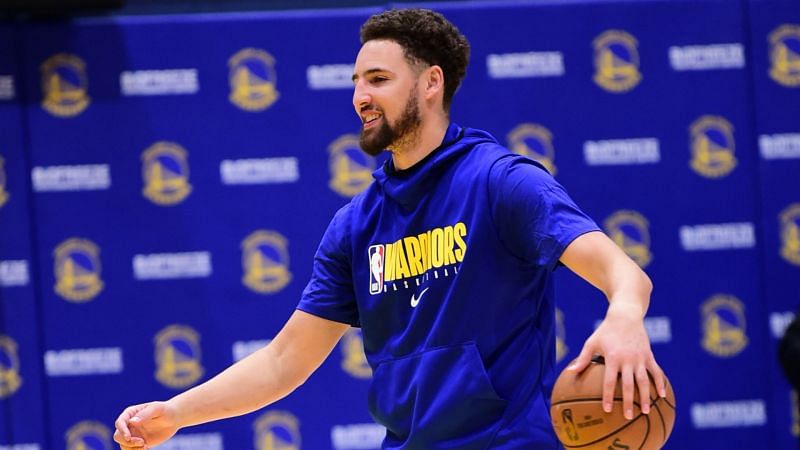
[[578, 418]]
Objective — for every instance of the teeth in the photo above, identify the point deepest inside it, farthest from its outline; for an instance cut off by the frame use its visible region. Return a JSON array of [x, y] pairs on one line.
[[371, 117]]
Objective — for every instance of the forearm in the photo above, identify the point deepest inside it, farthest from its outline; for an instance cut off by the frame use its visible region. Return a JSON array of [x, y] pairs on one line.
[[252, 383], [629, 289]]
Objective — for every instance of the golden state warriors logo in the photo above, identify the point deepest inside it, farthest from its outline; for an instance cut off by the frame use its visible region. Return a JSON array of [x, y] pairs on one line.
[[165, 170], [277, 430], [724, 326], [712, 146], [354, 361], [89, 435], [784, 55], [265, 261], [10, 380], [3, 192], [561, 337], [535, 142], [64, 85], [253, 79], [616, 61], [178, 356], [351, 169], [631, 232], [77, 268], [790, 234]]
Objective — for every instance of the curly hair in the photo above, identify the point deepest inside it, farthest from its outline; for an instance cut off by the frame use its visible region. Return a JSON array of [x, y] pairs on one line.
[[425, 36]]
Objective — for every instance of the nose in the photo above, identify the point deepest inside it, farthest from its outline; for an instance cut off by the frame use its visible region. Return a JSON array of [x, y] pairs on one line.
[[361, 97]]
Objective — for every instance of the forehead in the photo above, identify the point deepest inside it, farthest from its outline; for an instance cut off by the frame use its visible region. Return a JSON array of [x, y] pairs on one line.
[[381, 54]]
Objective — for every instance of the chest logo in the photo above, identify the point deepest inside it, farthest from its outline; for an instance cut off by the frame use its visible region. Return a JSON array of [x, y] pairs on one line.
[[415, 300]]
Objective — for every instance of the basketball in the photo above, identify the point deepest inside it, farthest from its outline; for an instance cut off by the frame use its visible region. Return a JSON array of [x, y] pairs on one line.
[[579, 420]]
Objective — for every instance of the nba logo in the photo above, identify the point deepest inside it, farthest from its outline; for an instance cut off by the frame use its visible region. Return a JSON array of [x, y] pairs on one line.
[[376, 256]]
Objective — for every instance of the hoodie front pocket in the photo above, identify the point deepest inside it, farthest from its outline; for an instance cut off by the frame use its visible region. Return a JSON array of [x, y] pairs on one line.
[[441, 398]]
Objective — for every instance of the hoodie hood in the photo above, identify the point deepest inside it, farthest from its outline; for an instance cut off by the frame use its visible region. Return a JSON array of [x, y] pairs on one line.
[[408, 186]]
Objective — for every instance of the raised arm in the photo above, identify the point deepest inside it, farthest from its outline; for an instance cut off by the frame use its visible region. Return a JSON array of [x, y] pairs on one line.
[[621, 337], [262, 378]]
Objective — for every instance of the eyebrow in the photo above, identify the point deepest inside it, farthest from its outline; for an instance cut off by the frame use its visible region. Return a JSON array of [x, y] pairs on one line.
[[369, 72]]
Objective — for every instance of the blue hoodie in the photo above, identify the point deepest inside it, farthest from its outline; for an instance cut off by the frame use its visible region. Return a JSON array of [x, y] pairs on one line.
[[446, 267]]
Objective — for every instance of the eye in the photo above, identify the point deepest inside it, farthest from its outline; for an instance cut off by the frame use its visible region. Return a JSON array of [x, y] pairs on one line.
[[378, 79]]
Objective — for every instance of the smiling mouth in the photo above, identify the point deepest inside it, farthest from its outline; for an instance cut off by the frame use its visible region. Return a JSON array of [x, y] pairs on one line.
[[371, 119]]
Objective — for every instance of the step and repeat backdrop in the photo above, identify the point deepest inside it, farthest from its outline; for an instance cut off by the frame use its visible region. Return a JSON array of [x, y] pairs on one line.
[[164, 183]]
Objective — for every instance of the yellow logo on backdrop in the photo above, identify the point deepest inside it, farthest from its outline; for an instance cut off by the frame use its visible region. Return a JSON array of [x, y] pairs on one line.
[[165, 172], [178, 356], [616, 61], [77, 268], [535, 142], [724, 326], [354, 361], [265, 261], [351, 169], [277, 430], [561, 337], [253, 79], [712, 145], [88, 435], [790, 233], [10, 380], [784, 55], [795, 414], [631, 232], [64, 85], [3, 192]]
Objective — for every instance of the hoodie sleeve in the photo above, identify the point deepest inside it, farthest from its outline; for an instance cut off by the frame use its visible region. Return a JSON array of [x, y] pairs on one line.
[[534, 216], [329, 293]]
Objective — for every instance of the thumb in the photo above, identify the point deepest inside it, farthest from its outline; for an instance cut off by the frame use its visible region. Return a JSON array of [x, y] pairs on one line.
[[583, 359], [150, 411]]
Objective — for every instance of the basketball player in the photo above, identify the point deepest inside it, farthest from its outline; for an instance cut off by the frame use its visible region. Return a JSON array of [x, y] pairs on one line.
[[445, 263]]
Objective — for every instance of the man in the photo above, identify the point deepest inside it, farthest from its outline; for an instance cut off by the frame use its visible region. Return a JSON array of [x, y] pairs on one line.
[[445, 263]]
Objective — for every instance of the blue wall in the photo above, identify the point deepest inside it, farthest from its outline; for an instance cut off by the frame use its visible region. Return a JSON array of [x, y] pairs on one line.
[[165, 181]]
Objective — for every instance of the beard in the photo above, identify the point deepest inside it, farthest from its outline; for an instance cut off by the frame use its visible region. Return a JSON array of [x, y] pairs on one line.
[[373, 142]]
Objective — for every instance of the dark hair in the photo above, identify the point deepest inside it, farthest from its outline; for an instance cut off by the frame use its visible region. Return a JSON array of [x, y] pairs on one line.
[[425, 36]]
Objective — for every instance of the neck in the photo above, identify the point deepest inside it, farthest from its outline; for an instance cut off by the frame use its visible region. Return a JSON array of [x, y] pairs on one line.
[[415, 147]]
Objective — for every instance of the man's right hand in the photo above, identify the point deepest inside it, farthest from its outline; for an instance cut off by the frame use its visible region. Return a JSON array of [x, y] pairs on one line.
[[145, 425]]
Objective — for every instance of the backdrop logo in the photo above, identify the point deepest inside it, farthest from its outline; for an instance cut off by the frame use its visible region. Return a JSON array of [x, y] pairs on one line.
[[253, 79], [712, 146], [64, 85], [165, 170], [724, 326], [535, 142], [784, 55], [265, 261], [10, 380], [790, 233], [178, 356], [616, 61], [3, 192], [354, 361], [277, 430], [631, 231], [77, 268], [88, 435], [351, 169], [561, 337]]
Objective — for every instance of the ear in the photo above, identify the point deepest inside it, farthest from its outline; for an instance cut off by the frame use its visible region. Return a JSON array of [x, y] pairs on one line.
[[433, 82]]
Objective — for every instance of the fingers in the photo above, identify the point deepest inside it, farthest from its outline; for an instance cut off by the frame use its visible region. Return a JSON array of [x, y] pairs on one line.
[[131, 442], [609, 384], [643, 382], [627, 391], [583, 359], [121, 424], [658, 377]]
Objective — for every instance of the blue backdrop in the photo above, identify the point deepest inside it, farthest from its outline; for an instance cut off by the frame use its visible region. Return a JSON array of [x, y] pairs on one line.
[[165, 180]]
